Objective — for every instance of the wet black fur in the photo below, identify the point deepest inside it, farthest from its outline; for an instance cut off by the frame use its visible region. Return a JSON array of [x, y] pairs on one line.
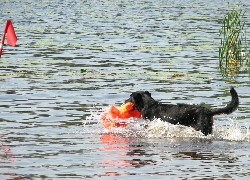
[[196, 116]]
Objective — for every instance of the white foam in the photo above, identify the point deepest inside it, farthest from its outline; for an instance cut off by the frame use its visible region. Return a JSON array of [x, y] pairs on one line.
[[233, 132], [158, 128]]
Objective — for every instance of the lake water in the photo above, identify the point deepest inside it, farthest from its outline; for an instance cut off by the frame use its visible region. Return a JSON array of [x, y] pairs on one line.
[[76, 57]]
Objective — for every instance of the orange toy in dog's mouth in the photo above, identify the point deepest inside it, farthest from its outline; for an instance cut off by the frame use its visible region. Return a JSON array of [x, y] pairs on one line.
[[116, 117]]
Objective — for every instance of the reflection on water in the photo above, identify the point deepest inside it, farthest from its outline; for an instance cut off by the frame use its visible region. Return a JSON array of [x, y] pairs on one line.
[[6, 154], [6, 158], [117, 143], [75, 58], [114, 149]]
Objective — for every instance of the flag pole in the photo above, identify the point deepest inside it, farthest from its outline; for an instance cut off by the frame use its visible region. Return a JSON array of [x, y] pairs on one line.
[[3, 37]]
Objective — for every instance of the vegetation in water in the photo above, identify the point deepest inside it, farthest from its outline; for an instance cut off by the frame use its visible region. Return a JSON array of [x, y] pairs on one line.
[[233, 52]]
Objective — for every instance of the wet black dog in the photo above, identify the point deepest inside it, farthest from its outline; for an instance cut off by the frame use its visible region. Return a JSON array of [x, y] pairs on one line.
[[198, 117]]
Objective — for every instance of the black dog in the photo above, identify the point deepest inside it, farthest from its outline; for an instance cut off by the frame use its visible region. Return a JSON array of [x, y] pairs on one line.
[[198, 117]]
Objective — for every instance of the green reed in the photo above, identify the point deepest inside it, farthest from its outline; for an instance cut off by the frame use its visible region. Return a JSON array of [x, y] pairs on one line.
[[233, 50]]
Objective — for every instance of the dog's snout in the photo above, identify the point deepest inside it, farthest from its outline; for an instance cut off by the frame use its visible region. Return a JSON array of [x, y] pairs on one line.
[[128, 100]]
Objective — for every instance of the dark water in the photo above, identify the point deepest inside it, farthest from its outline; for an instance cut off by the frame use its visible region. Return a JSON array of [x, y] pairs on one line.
[[75, 58]]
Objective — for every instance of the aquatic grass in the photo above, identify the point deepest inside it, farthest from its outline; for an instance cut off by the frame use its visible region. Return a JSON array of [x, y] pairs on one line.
[[233, 52]]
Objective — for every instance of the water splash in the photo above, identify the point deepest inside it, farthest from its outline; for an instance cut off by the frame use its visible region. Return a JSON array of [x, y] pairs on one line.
[[158, 128], [234, 132]]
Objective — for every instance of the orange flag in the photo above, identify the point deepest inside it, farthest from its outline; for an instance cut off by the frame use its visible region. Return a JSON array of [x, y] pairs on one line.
[[10, 34]]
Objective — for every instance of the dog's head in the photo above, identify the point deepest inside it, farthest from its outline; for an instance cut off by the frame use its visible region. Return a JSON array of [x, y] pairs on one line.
[[140, 99]]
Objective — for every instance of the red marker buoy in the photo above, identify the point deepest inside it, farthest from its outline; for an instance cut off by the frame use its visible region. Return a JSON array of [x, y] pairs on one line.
[[10, 34]]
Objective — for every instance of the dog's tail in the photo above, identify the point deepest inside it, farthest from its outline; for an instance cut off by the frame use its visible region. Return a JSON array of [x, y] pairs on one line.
[[232, 106]]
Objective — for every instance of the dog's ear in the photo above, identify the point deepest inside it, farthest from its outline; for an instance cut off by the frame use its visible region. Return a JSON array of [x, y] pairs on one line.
[[148, 93]]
